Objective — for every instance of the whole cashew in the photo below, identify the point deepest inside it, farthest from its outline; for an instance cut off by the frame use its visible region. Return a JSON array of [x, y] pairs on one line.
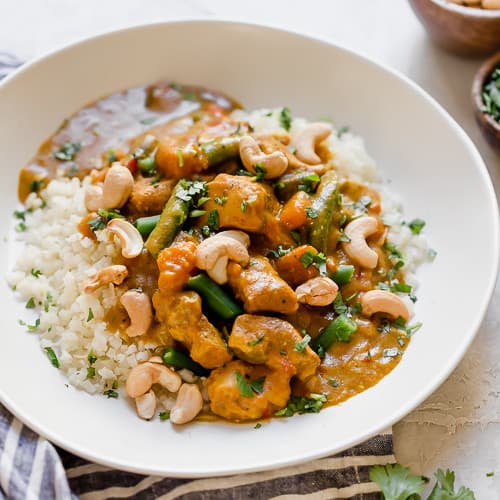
[[143, 376], [273, 164], [93, 198], [130, 238], [319, 291], [117, 186], [112, 274], [356, 248], [214, 253], [490, 4], [307, 139], [188, 404], [386, 302], [138, 307], [146, 405]]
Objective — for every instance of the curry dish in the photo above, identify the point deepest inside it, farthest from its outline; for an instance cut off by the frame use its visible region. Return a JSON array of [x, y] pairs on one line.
[[263, 280]]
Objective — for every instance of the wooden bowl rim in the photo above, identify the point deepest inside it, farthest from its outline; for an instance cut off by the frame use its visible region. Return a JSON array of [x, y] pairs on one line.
[[482, 73], [467, 11]]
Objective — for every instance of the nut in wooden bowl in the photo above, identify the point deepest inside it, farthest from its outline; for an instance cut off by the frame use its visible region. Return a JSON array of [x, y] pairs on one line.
[[464, 27], [486, 99]]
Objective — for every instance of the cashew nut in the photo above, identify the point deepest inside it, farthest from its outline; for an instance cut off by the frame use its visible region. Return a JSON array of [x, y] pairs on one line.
[[117, 186], [93, 198], [319, 291], [188, 404], [356, 248], [112, 274], [273, 164], [143, 376], [146, 405], [383, 301], [129, 236], [490, 4], [214, 253], [138, 307], [307, 139]]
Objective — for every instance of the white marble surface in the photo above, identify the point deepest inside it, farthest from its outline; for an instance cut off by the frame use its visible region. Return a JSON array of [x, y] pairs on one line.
[[459, 425]]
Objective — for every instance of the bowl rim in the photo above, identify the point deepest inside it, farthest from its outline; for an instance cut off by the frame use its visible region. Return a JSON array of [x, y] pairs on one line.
[[478, 81], [466, 11], [446, 368]]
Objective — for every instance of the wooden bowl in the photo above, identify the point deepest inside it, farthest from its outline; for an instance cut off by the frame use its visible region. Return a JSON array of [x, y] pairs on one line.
[[466, 31], [489, 127]]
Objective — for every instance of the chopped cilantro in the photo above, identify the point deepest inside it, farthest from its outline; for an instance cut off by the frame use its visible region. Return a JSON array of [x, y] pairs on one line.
[[300, 346], [286, 119], [111, 393], [394, 253], [91, 358], [256, 341], [295, 236], [31, 303], [258, 425], [416, 225], [363, 204], [243, 206], [333, 382], [309, 258], [301, 405], [36, 185], [312, 213], [343, 238], [21, 227], [164, 415], [260, 172], [205, 231], [20, 214], [247, 389], [220, 200], [309, 183], [338, 305], [36, 273], [213, 220], [490, 474], [67, 151], [31, 328], [90, 315], [52, 356], [397, 482], [197, 213], [90, 372], [401, 288], [391, 352], [72, 170], [341, 131], [47, 302], [149, 120], [280, 251]]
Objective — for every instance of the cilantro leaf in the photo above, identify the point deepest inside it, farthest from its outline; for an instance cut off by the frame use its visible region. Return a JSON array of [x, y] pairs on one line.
[[286, 119], [301, 405], [300, 346], [444, 489], [247, 389], [397, 482], [67, 151], [52, 356], [416, 225]]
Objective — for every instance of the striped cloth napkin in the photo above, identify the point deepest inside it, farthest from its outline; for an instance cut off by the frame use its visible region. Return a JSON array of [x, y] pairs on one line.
[[32, 468]]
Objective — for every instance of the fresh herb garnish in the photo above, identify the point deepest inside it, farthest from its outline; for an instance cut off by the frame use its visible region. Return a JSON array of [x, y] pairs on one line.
[[363, 204], [20, 214], [90, 315], [343, 238], [309, 258], [47, 302], [341, 131], [260, 172], [491, 95], [103, 217], [21, 227], [312, 213], [296, 237], [180, 158], [300, 346], [213, 220], [333, 382], [36, 273], [67, 151], [286, 119], [164, 415], [244, 205], [258, 425], [301, 405], [309, 183], [416, 225], [394, 253], [220, 200], [31, 303], [31, 328], [111, 393], [280, 251], [256, 341], [197, 213], [400, 288], [52, 356], [247, 389], [36, 185], [90, 372]]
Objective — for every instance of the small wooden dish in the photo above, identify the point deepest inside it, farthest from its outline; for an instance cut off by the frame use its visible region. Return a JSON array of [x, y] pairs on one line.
[[489, 127], [466, 31]]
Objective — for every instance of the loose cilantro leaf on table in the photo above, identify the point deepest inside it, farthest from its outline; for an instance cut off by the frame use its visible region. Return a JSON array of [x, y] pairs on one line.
[[397, 482]]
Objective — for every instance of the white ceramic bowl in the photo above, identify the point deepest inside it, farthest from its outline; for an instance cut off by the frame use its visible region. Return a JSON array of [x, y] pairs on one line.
[[426, 155]]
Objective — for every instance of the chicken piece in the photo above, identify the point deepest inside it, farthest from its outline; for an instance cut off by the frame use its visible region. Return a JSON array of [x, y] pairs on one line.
[[354, 191], [148, 197], [181, 313], [241, 202], [177, 161], [264, 389], [265, 340], [260, 288]]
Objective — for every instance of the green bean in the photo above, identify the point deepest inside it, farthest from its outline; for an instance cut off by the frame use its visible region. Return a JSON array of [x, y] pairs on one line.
[[146, 224], [343, 274], [339, 330], [178, 359], [220, 150], [296, 180], [171, 219], [325, 204], [215, 297]]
